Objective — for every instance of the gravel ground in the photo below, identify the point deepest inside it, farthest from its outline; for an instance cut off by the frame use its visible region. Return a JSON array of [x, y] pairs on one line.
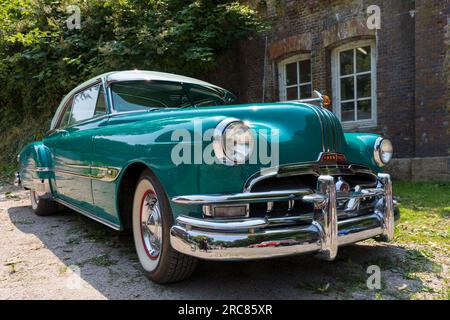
[[40, 258]]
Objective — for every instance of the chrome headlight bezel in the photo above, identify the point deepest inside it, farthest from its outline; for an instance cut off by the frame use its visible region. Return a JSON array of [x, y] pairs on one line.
[[220, 137], [382, 147]]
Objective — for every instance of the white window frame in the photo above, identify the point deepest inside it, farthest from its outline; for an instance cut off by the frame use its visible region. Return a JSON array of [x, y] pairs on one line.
[[336, 83], [282, 75]]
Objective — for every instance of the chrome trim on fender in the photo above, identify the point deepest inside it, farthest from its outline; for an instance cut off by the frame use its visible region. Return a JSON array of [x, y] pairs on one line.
[[106, 174], [41, 169]]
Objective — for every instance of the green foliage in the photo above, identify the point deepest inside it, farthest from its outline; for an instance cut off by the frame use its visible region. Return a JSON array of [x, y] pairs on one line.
[[41, 59]]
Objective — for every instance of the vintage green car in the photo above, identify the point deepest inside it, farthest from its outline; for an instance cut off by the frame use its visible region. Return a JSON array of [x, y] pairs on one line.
[[195, 176]]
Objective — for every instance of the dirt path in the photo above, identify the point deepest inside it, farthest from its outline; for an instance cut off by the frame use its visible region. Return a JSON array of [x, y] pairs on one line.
[[40, 258]]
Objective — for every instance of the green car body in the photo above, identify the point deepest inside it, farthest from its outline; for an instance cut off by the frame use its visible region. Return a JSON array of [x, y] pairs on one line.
[[92, 166]]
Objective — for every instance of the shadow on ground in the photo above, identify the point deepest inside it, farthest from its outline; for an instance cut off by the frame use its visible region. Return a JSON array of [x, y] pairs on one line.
[[109, 265]]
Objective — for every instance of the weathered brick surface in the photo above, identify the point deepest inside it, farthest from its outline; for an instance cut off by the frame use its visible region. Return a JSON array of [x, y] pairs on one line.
[[413, 68]]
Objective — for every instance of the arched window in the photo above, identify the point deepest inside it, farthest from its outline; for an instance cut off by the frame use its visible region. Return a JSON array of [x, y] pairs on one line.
[[354, 84], [295, 77]]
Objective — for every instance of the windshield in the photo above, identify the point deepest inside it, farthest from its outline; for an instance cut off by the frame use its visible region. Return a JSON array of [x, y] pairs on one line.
[[147, 95]]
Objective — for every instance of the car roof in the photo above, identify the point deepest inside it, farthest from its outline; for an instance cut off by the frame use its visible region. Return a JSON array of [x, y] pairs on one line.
[[130, 75]]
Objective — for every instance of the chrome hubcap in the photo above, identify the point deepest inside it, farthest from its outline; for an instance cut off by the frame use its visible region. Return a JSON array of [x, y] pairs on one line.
[[151, 226]]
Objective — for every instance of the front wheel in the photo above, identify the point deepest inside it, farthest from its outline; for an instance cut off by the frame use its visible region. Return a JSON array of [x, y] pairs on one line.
[[42, 207], [152, 219]]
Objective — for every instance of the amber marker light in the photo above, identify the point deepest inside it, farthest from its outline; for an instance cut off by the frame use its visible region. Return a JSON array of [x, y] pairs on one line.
[[326, 101]]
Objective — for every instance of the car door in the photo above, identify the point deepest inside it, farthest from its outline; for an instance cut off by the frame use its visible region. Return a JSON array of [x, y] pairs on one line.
[[71, 148]]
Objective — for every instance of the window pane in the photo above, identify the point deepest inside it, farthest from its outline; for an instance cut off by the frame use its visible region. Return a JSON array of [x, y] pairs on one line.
[[347, 88], [346, 58], [65, 119], [348, 111], [291, 74], [305, 91], [100, 108], [364, 109], [364, 86], [363, 59], [204, 96], [305, 71], [84, 105], [143, 95], [291, 93]]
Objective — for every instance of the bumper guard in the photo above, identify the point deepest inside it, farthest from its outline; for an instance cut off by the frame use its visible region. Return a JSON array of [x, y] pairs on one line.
[[257, 238]]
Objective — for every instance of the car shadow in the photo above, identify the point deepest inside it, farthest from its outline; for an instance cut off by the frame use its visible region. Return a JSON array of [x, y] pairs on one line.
[[108, 264]]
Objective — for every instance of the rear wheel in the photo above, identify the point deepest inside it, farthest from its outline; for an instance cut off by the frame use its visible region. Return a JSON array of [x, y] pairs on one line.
[[152, 220], [42, 207]]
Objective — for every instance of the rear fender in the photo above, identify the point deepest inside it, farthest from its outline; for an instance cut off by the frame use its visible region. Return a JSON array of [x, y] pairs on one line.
[[36, 170]]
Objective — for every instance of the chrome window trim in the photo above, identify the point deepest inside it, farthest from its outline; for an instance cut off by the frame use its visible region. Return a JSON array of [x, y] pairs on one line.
[[95, 117]]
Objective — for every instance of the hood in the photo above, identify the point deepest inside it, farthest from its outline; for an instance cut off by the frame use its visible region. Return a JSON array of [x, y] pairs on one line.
[[304, 132]]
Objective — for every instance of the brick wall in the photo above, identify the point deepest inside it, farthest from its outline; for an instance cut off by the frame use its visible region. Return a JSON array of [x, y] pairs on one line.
[[412, 63]]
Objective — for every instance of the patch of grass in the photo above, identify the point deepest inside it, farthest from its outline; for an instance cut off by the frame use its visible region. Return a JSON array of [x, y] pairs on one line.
[[98, 235], [24, 221], [320, 288], [71, 231], [73, 241], [103, 260], [10, 196], [63, 269], [425, 212], [12, 267]]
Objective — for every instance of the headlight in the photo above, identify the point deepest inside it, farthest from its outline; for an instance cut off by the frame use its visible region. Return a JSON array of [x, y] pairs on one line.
[[233, 141], [383, 151]]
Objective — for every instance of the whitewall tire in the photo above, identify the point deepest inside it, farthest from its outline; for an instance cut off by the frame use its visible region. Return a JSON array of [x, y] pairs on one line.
[[152, 220]]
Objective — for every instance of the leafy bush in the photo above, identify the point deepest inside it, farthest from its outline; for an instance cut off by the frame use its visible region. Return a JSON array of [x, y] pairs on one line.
[[41, 59]]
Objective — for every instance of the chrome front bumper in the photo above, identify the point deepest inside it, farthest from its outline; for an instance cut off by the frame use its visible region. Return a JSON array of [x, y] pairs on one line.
[[256, 238]]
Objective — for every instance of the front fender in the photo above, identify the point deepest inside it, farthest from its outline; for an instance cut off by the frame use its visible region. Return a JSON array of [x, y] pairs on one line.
[[360, 147]]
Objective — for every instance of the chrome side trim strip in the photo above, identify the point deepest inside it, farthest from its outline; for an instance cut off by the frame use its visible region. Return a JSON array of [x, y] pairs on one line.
[[41, 169], [88, 214], [106, 174]]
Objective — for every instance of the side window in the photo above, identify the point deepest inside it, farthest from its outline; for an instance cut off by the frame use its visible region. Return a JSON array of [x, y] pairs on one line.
[[84, 104], [65, 118], [100, 107]]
